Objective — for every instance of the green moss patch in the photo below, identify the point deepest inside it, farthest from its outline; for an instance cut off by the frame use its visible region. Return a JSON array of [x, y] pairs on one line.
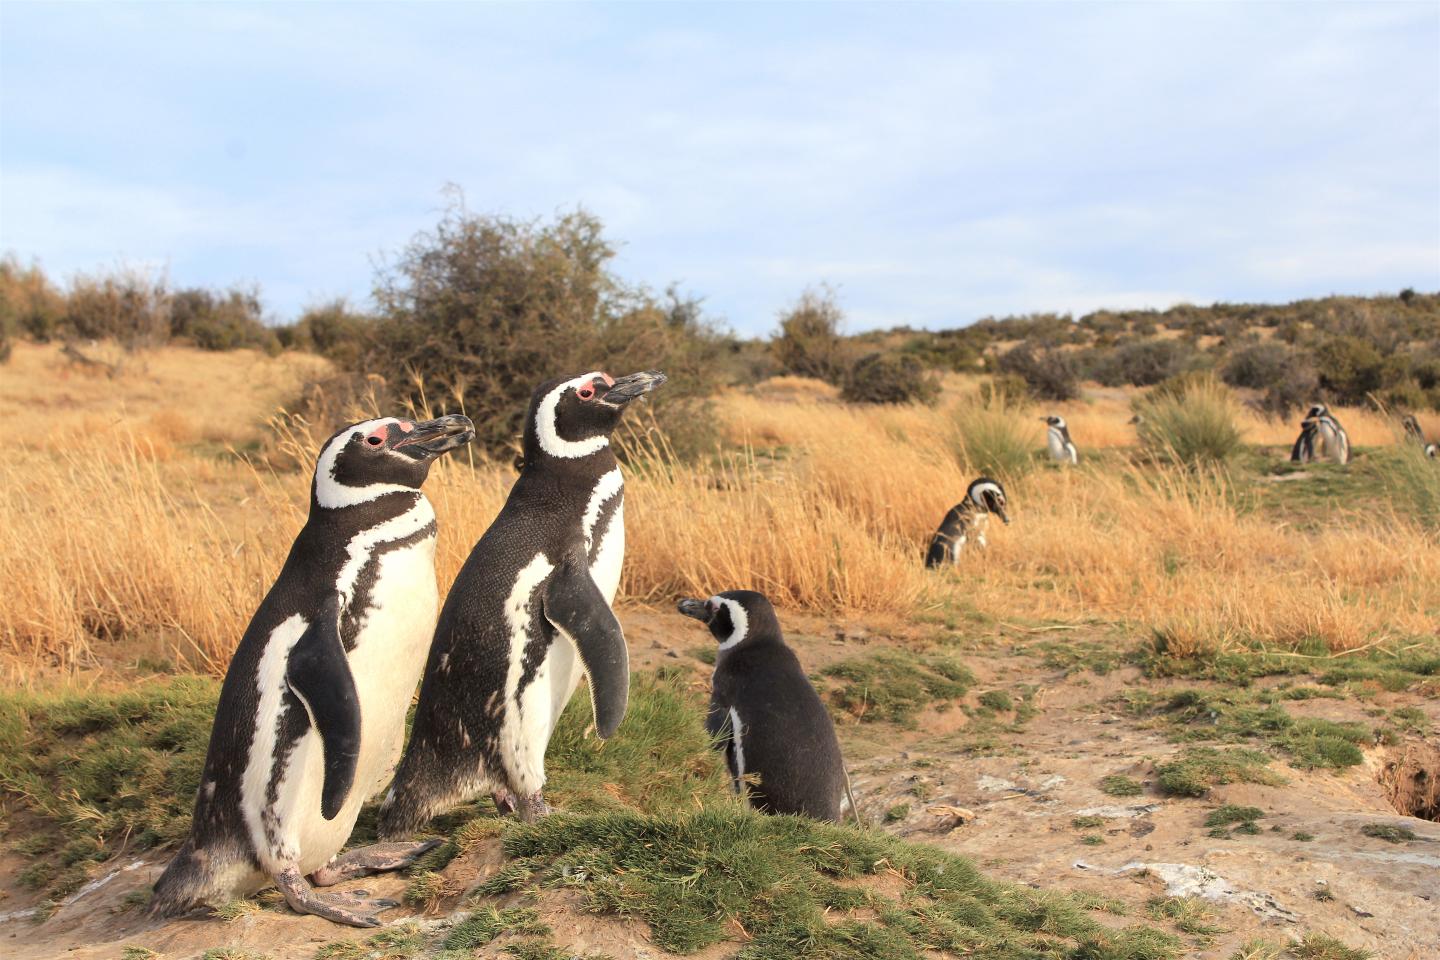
[[895, 686]]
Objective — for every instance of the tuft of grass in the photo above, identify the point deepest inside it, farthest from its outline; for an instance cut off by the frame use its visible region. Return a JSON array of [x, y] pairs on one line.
[[897, 813], [1321, 946], [1389, 832], [1258, 950], [1189, 914], [997, 700], [232, 910], [393, 943], [996, 439], [1302, 837], [1092, 840], [1195, 423], [1087, 823], [692, 877], [1194, 771], [1229, 814], [1117, 785], [894, 686], [486, 924], [426, 889], [138, 953]]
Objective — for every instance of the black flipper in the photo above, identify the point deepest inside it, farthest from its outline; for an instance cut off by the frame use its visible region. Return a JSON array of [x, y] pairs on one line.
[[319, 674], [574, 604]]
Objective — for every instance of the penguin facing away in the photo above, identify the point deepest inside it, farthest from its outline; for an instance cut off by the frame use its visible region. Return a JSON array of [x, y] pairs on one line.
[[1058, 440], [764, 713], [1304, 449], [967, 521], [527, 616], [311, 715]]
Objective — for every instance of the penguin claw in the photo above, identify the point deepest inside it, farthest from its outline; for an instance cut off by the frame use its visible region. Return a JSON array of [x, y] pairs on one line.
[[504, 802], [376, 858], [533, 807]]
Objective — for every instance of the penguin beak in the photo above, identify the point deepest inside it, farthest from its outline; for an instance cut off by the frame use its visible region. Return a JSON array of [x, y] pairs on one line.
[[695, 610], [625, 389], [431, 438]]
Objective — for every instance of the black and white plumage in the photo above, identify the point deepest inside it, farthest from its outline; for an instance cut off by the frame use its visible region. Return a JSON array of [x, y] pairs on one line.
[[311, 715], [1321, 436], [527, 616], [1411, 423], [764, 713], [966, 521], [1057, 440]]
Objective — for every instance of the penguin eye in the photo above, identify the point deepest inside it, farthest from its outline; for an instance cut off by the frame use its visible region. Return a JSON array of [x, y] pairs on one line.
[[376, 437], [586, 392]]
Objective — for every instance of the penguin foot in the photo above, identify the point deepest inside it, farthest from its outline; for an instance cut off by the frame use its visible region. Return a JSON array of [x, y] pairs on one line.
[[376, 858], [337, 908], [533, 807], [504, 801]]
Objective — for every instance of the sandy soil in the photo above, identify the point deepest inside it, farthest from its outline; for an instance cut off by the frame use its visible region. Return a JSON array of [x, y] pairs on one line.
[[1010, 809]]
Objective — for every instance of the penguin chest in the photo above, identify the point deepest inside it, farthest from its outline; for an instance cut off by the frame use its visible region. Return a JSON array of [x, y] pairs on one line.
[[391, 618], [395, 628]]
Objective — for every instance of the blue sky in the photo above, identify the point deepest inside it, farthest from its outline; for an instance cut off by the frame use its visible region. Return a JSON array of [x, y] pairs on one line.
[[935, 163]]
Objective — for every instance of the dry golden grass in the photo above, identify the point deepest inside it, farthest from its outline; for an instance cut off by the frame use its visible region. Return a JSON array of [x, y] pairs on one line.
[[128, 534]]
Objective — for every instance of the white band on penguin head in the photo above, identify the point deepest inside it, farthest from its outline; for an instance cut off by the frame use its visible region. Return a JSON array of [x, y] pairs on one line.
[[330, 492], [549, 434], [739, 622]]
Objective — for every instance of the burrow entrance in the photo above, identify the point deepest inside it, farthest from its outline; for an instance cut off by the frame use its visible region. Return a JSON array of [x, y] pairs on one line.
[[1410, 775]]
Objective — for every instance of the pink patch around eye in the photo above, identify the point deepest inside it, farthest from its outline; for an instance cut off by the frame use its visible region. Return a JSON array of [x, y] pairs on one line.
[[405, 426], [378, 433]]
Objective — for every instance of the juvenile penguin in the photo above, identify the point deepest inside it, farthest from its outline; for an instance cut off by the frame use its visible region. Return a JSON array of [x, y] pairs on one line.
[[1321, 435], [764, 714], [1058, 440], [528, 614], [967, 521], [312, 711]]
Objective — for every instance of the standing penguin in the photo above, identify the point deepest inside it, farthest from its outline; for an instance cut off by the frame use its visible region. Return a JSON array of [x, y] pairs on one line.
[[1059, 442], [765, 714], [527, 615], [1321, 434], [312, 712], [967, 521]]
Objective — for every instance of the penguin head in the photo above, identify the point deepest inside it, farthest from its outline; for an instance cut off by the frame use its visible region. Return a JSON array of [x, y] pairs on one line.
[[1054, 421], [571, 417], [734, 617], [388, 455], [989, 496], [1316, 411]]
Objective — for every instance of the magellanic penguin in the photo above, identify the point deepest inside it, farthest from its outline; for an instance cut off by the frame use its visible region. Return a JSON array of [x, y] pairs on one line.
[[1413, 430], [778, 738], [1059, 442], [528, 614], [967, 521], [1321, 435], [311, 715]]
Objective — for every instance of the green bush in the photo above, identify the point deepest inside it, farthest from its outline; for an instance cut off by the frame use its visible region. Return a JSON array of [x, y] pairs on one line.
[[889, 378], [128, 306], [220, 321], [1142, 363], [808, 343], [1191, 420], [1350, 369], [477, 311], [1049, 373], [1284, 376]]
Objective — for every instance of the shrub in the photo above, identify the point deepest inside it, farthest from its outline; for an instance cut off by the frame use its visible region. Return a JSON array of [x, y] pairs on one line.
[[128, 306], [332, 330], [808, 343], [1048, 373], [1143, 363], [1191, 420], [480, 309], [29, 304], [1349, 368], [889, 378], [220, 321], [1284, 375]]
